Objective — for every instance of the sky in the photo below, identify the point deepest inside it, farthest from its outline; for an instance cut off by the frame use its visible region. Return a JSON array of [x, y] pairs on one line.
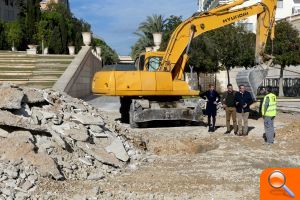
[[116, 20]]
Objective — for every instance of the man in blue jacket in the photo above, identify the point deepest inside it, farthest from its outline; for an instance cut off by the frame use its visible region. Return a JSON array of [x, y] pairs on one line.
[[243, 100]]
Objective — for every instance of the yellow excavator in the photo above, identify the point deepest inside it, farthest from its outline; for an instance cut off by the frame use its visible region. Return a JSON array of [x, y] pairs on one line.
[[154, 91]]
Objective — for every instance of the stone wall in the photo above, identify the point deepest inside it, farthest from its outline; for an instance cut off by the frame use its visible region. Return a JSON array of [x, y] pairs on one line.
[[76, 81]]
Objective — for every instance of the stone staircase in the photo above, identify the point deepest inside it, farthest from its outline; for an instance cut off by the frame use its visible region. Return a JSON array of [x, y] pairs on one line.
[[40, 71]]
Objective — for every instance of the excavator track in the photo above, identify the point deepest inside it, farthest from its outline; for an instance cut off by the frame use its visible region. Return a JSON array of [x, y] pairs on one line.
[[252, 79]]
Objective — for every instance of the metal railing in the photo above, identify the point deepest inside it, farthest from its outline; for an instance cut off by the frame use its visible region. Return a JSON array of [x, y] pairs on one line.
[[291, 86]]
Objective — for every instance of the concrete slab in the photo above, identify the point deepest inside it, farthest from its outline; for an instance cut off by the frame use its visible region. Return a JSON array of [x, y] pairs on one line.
[[87, 119], [32, 95], [100, 154], [11, 98], [118, 149]]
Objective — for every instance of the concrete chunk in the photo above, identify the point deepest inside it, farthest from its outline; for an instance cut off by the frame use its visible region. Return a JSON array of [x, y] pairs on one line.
[[100, 154], [27, 185], [12, 172], [96, 176], [9, 119], [11, 98], [14, 149], [118, 149], [98, 135], [87, 119], [79, 134], [59, 140], [86, 161], [32, 95], [96, 129], [22, 136], [23, 111], [3, 133]]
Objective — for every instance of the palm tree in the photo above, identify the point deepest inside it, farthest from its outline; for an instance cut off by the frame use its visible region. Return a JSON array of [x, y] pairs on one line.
[[140, 46], [153, 24]]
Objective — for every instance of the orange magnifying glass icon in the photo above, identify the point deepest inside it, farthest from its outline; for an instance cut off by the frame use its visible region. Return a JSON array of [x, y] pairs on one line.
[[277, 180]]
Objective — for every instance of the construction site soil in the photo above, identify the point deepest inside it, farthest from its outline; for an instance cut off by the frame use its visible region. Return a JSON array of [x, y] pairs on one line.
[[182, 162], [190, 163]]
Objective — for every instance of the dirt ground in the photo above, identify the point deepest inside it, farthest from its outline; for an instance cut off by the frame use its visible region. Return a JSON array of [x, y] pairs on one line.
[[190, 163]]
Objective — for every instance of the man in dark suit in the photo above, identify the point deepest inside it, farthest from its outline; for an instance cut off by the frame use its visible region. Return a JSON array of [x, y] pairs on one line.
[[212, 97], [243, 100]]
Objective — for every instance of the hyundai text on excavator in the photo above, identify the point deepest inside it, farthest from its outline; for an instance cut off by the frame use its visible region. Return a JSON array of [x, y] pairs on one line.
[[155, 90]]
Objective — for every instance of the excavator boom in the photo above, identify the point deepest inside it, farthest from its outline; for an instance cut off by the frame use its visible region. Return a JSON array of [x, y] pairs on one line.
[[213, 19]]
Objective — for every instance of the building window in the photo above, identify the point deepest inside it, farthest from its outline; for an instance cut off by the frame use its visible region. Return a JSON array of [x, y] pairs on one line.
[[280, 4], [6, 15], [296, 10]]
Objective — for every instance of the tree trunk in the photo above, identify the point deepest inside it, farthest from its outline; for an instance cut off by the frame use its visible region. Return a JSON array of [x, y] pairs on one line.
[[281, 94], [228, 75]]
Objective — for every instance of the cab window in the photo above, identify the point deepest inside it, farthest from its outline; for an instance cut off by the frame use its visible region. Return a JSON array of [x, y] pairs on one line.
[[154, 63]]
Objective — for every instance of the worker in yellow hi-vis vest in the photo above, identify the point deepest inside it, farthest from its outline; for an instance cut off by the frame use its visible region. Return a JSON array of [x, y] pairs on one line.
[[269, 111]]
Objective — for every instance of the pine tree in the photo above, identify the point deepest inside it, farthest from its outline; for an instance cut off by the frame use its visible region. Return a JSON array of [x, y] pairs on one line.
[[32, 16]]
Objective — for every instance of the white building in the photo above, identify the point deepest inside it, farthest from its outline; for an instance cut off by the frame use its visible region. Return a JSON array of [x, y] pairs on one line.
[[285, 8], [44, 3]]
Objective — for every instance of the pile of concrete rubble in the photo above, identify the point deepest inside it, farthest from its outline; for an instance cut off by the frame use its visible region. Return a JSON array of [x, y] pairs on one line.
[[44, 133]]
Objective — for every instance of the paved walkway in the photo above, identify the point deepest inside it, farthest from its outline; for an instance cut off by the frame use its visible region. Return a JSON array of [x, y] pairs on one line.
[[106, 103], [289, 106]]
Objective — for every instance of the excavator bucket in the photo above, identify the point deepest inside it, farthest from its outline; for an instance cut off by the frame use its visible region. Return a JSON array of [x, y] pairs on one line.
[[252, 79]]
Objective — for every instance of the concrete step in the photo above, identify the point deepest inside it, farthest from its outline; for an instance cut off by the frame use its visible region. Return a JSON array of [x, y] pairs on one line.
[[17, 57], [29, 73], [28, 80], [23, 53], [12, 61], [36, 84], [62, 61], [41, 85], [40, 71], [10, 53], [55, 57], [17, 68], [16, 73], [45, 77], [52, 64], [23, 61]]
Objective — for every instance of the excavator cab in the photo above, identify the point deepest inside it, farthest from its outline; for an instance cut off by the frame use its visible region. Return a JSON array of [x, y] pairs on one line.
[[149, 61]]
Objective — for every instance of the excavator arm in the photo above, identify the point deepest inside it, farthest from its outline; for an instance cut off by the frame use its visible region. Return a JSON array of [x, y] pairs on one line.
[[176, 54]]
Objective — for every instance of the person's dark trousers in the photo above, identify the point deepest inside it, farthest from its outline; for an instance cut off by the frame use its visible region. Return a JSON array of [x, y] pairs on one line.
[[211, 122], [269, 129]]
